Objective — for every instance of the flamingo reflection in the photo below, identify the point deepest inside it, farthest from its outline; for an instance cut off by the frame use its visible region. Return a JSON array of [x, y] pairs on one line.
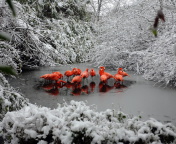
[[117, 85], [51, 88], [103, 87], [85, 89], [54, 91], [92, 86], [76, 89]]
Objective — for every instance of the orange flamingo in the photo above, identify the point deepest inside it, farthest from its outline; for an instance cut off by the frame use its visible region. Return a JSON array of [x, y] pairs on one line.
[[85, 74], [69, 73], [45, 76], [60, 76], [77, 71], [118, 77], [102, 72], [52, 77], [121, 72], [103, 78], [76, 79], [92, 73]]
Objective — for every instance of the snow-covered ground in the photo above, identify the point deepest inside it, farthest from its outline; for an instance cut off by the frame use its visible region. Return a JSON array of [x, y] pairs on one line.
[[76, 122]]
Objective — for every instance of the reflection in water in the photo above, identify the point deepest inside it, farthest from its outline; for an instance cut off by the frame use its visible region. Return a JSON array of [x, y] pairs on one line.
[[92, 86], [118, 85], [78, 89], [54, 91], [85, 89], [103, 87]]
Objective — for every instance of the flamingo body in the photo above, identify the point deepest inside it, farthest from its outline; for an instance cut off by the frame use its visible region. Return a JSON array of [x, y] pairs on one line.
[[92, 73], [118, 77], [103, 78], [77, 79], [102, 72], [85, 74]]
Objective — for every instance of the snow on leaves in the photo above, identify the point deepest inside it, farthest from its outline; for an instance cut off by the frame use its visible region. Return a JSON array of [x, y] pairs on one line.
[[77, 122]]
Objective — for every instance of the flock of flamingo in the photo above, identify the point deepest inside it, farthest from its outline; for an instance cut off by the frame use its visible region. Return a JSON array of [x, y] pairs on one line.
[[75, 76]]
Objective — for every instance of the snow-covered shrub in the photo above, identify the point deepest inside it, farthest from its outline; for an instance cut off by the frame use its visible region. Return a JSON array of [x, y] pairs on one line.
[[78, 123], [10, 99], [59, 8], [124, 40], [45, 41], [10, 56], [160, 61]]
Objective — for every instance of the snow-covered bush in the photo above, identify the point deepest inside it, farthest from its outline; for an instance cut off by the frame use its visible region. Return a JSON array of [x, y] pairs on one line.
[[78, 123], [10, 56], [124, 40], [10, 99], [59, 8], [43, 41]]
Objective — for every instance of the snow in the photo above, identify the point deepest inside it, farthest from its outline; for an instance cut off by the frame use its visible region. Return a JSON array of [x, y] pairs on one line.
[[69, 121]]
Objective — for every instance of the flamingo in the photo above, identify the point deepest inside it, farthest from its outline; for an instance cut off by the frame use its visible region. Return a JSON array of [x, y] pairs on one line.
[[77, 71], [45, 76], [60, 76], [92, 73], [102, 72], [76, 79], [103, 78], [121, 72], [52, 77], [118, 77], [85, 74], [69, 73]]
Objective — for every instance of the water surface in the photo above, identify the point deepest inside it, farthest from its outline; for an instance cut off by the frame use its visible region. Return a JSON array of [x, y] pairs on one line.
[[135, 97]]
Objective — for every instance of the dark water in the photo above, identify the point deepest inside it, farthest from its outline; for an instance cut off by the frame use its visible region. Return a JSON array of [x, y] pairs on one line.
[[135, 97]]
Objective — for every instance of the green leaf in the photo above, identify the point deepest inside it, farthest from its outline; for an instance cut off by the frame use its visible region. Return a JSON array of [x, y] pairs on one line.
[[7, 70], [11, 7], [154, 31], [4, 36]]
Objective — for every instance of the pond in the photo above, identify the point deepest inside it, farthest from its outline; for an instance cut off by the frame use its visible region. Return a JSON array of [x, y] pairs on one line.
[[136, 96]]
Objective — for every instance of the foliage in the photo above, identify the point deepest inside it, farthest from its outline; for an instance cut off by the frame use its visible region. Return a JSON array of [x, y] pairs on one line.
[[124, 40], [58, 8], [78, 123], [42, 42], [10, 99]]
